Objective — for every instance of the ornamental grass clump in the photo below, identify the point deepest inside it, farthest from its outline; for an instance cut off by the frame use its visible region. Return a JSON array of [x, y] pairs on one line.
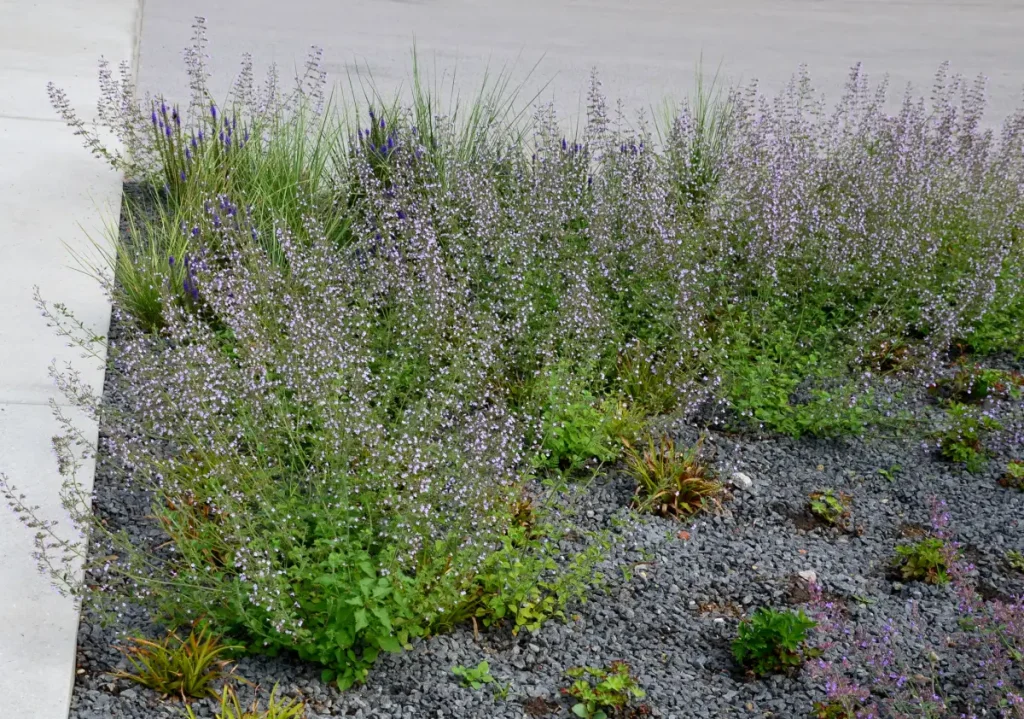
[[174, 667], [670, 482]]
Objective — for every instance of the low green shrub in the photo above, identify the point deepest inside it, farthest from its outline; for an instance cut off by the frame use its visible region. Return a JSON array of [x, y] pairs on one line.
[[963, 438], [1013, 477], [771, 641], [927, 560], [578, 429], [602, 692], [970, 384], [524, 584]]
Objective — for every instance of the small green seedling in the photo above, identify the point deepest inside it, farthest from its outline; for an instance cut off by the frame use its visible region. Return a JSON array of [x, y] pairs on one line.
[[924, 561], [1013, 477], [836, 709], [474, 678], [890, 474], [230, 708], [963, 438], [1016, 560], [772, 642], [600, 693], [829, 507]]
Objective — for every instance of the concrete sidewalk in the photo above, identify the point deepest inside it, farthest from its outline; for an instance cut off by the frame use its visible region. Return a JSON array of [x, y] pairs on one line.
[[52, 193]]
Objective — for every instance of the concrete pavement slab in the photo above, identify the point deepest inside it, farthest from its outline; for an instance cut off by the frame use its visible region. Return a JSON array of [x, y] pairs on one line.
[[56, 200], [59, 41], [39, 627], [52, 193]]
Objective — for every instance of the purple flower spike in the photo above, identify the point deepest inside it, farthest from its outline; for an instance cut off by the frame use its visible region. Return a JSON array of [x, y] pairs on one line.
[[167, 130], [382, 124], [195, 231], [182, 175], [188, 152], [163, 109], [170, 260], [200, 136], [213, 111], [153, 117]]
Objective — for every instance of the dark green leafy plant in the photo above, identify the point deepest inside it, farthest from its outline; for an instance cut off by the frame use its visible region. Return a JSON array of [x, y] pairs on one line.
[[474, 677], [962, 440], [1000, 329], [172, 667], [231, 708], [1015, 559], [670, 482], [602, 692], [524, 583], [829, 507], [1013, 477], [781, 375], [579, 429], [773, 641], [924, 561]]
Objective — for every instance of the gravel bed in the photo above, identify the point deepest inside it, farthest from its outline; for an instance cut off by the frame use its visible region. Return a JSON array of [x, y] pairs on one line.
[[673, 593]]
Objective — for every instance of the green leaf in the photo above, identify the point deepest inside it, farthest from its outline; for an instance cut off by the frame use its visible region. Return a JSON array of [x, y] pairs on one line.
[[383, 617], [389, 644], [361, 620]]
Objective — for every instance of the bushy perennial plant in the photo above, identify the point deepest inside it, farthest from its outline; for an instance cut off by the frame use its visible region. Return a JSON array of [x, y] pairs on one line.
[[344, 346]]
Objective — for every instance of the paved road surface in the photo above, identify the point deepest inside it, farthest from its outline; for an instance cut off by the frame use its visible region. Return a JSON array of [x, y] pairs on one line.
[[645, 50]]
